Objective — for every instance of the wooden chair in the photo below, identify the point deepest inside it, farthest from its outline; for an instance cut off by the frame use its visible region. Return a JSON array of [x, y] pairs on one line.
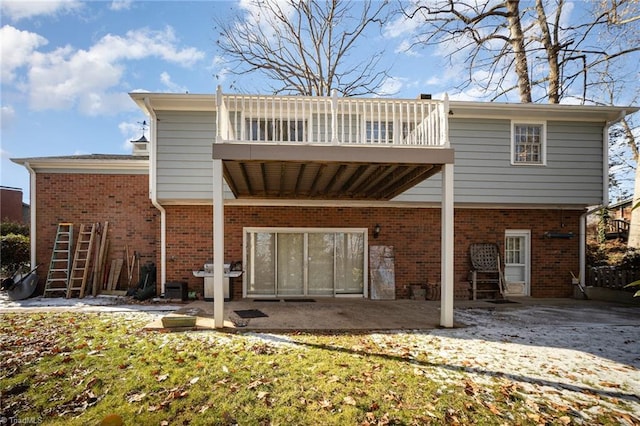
[[486, 277]]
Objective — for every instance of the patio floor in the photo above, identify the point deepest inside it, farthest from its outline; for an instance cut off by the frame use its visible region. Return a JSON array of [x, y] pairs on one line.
[[363, 314]]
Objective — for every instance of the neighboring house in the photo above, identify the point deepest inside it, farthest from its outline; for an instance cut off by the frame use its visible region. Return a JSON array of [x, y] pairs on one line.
[[619, 219], [12, 209], [305, 180]]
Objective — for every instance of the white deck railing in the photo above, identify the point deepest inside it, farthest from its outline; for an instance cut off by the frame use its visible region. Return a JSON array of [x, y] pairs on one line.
[[332, 120]]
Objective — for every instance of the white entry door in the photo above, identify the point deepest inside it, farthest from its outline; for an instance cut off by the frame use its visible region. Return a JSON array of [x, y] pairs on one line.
[[517, 262]]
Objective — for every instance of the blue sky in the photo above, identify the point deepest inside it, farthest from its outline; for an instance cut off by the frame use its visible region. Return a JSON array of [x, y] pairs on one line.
[[67, 68]]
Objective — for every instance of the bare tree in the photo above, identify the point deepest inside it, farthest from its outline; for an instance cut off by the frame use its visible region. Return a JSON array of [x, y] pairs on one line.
[[554, 57], [304, 46]]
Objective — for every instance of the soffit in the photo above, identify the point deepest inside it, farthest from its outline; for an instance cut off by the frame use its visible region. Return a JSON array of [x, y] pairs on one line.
[[531, 111], [326, 172]]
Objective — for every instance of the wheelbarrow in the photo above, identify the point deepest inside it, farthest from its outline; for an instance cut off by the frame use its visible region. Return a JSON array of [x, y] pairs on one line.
[[20, 286]]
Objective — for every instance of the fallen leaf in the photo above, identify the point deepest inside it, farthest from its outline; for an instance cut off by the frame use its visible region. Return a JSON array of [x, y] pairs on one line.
[[349, 400], [194, 380], [162, 377], [325, 403], [136, 397], [493, 409], [610, 385]]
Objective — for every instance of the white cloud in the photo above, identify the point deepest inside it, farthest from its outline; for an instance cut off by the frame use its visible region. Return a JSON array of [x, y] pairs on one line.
[[263, 23], [220, 69], [16, 49], [131, 131], [402, 26], [88, 79], [165, 78], [8, 114], [391, 86], [17, 10], [407, 48], [118, 5]]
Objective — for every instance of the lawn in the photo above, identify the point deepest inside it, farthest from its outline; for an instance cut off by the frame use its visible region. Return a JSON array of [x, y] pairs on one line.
[[79, 369]]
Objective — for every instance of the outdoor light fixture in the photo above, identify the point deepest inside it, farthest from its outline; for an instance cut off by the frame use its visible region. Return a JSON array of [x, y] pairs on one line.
[[376, 231]]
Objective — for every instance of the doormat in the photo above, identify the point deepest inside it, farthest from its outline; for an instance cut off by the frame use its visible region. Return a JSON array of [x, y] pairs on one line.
[[501, 301], [266, 300], [299, 300], [251, 313]]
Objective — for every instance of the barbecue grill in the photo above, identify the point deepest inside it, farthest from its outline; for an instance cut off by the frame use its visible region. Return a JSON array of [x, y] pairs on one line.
[[207, 274]]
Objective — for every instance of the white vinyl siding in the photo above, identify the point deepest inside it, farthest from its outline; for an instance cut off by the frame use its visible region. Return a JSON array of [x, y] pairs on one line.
[[184, 165], [484, 174]]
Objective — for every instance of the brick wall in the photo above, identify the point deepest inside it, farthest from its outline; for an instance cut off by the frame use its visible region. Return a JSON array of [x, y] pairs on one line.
[[11, 205], [121, 200], [415, 234]]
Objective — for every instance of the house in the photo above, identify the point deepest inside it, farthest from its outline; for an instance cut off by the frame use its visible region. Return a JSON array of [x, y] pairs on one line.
[[294, 188], [619, 219], [12, 209]]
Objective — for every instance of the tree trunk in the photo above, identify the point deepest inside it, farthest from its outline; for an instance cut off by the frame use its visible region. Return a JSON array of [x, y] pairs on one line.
[[551, 47], [519, 51]]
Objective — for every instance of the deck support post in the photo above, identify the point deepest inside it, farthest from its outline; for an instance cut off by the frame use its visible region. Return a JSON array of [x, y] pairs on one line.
[[218, 245], [447, 249]]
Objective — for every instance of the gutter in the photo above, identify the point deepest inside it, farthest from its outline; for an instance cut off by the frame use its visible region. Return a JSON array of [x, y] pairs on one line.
[[153, 172], [32, 213]]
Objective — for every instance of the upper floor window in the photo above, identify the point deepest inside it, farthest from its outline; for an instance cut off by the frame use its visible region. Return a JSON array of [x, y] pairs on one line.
[[277, 130], [382, 131], [379, 131], [528, 143]]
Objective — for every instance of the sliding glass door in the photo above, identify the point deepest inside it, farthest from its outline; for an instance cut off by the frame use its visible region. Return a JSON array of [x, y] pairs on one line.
[[304, 262]]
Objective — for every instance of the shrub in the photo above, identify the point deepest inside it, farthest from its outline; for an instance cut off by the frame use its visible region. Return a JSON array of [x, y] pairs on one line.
[[631, 259], [14, 252], [7, 228]]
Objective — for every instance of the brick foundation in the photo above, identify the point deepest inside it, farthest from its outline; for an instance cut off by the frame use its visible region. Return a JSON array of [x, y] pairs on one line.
[[415, 234]]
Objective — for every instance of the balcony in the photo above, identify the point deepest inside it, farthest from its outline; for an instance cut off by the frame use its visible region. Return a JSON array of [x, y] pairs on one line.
[[332, 120], [298, 147]]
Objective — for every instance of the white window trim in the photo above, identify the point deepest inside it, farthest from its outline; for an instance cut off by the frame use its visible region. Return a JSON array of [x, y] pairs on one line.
[[543, 136]]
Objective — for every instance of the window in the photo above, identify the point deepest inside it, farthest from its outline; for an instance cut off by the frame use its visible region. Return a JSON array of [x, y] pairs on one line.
[[267, 129], [382, 131], [305, 261], [528, 143], [379, 131]]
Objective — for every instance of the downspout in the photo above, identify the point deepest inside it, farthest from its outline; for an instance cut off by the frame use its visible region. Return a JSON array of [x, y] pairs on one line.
[[153, 172], [583, 244], [32, 213]]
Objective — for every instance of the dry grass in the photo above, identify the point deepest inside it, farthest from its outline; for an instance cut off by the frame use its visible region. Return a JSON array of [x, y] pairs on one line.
[[81, 368]]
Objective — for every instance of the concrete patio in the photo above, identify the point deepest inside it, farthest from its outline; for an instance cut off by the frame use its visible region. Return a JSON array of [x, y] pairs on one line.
[[335, 314], [367, 315]]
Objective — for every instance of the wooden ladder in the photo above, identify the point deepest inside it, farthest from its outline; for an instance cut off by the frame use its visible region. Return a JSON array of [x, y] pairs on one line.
[[82, 260], [60, 265]]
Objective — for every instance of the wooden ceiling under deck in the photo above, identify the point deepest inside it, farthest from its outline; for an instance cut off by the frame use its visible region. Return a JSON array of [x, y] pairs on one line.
[[326, 172]]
